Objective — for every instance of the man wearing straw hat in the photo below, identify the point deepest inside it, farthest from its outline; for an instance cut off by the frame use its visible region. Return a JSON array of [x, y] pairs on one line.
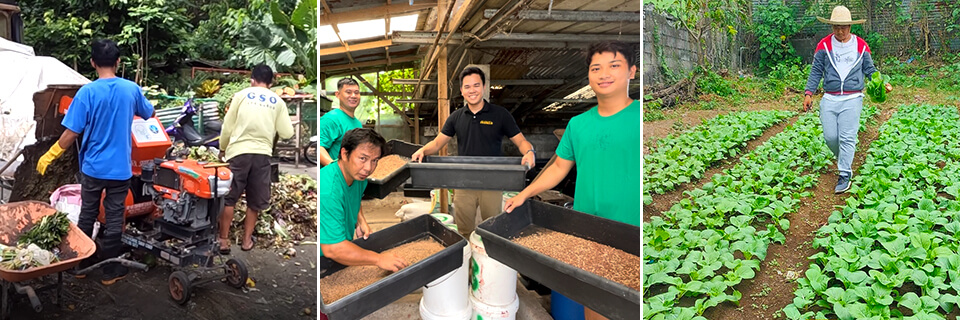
[[843, 61]]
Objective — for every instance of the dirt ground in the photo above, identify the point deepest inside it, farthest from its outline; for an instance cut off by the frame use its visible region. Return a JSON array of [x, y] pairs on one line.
[[284, 289]]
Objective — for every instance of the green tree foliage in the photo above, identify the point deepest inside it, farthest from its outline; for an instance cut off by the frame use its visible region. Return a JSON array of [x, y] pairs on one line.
[[152, 29], [158, 36], [700, 16], [285, 42], [773, 27]]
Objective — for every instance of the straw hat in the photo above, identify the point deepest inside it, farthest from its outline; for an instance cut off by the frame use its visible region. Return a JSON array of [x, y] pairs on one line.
[[840, 17]]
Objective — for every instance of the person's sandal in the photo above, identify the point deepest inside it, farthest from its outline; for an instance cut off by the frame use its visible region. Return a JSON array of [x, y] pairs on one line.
[[253, 243], [224, 251]]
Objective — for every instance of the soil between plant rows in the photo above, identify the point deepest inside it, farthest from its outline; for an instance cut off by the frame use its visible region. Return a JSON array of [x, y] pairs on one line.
[[663, 202], [772, 288]]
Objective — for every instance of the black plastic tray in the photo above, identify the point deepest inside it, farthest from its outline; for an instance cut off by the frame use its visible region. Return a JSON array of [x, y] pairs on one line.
[[381, 293], [478, 173], [611, 299], [380, 188]]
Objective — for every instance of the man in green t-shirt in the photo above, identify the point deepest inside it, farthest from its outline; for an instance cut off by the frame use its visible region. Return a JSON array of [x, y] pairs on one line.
[[339, 216], [334, 124], [603, 142]]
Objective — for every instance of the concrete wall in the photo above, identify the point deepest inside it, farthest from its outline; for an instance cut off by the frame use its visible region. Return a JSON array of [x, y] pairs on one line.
[[679, 49]]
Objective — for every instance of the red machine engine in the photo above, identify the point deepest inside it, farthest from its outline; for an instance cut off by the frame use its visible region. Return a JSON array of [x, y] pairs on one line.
[[187, 191]]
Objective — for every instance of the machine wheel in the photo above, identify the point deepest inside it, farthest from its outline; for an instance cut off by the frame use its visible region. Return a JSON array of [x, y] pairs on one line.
[[179, 287], [236, 273], [310, 153]]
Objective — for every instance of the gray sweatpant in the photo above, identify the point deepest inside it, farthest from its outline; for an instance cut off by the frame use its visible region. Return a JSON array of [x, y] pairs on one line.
[[841, 120]]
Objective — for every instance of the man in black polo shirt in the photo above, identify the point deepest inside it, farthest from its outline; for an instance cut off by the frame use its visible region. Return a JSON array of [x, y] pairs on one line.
[[480, 128]]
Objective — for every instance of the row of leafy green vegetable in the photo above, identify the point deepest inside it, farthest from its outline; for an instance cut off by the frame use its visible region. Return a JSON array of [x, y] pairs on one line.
[[684, 157], [691, 250], [892, 251]]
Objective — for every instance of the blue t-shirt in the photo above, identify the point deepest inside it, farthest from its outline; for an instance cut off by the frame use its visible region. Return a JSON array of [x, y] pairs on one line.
[[102, 111]]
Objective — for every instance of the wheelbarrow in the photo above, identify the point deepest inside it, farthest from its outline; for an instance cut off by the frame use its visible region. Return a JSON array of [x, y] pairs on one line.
[[18, 217]]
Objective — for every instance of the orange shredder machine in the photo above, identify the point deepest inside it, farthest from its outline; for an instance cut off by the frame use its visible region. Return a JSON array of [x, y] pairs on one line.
[[172, 211]]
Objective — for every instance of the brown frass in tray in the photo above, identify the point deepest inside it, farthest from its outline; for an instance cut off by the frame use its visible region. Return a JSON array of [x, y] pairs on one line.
[[602, 260], [351, 279], [388, 165]]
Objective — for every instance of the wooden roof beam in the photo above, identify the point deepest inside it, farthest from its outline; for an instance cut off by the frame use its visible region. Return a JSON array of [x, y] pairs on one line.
[[495, 82], [427, 37], [355, 47], [570, 15], [396, 9], [365, 64]]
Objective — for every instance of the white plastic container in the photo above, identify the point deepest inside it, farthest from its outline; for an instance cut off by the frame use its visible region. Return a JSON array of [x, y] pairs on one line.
[[483, 311], [491, 282], [447, 297], [506, 196], [443, 217], [455, 228], [464, 314]]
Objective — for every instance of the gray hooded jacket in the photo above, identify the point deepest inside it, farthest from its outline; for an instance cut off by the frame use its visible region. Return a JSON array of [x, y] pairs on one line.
[[824, 69]]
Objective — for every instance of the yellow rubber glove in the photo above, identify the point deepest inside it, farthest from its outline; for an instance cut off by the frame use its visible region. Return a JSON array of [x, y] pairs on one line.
[[55, 152]]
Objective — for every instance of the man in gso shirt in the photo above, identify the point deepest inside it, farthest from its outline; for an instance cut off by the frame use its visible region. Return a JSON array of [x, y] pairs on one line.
[[255, 117]]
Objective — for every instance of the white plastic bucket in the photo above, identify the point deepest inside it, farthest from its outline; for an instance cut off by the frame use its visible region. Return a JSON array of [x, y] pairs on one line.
[[443, 217], [455, 228], [483, 311], [464, 314], [506, 196], [446, 297], [491, 282]]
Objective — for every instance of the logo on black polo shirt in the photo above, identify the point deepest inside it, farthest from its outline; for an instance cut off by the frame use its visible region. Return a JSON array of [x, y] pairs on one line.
[[486, 122]]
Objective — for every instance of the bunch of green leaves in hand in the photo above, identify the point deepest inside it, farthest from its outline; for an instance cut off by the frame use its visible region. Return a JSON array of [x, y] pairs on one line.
[[877, 87], [48, 233]]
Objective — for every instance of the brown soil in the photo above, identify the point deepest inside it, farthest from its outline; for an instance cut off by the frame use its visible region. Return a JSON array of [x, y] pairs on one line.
[[653, 130], [30, 185], [388, 165], [772, 289], [663, 202], [349, 280], [599, 259]]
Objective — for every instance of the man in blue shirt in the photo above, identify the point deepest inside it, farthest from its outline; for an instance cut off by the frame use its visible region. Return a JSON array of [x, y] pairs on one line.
[[102, 111]]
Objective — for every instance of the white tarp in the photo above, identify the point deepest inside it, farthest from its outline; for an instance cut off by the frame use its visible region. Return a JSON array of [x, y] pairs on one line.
[[21, 75]]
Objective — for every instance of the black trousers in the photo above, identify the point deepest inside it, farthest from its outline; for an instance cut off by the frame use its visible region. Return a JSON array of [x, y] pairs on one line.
[[114, 192]]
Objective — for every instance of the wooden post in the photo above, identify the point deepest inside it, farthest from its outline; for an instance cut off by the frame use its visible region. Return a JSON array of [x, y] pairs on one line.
[[443, 111]]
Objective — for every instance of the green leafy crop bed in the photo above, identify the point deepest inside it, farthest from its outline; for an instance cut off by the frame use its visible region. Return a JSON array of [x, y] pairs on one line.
[[892, 251], [705, 245], [680, 158]]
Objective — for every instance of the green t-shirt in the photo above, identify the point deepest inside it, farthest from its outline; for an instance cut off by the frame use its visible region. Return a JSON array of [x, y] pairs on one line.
[[338, 207], [607, 152], [331, 128]]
